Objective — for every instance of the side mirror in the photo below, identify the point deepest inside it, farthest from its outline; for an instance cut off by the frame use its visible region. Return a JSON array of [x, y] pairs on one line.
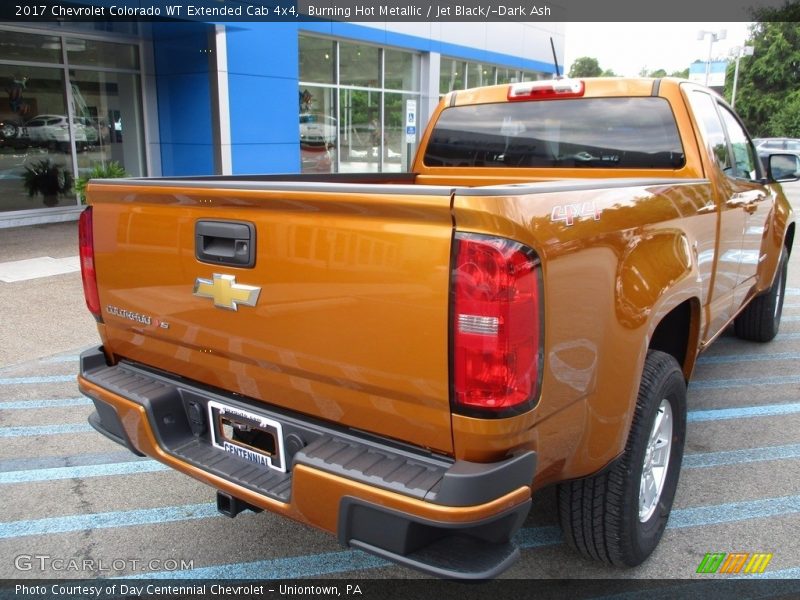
[[783, 167]]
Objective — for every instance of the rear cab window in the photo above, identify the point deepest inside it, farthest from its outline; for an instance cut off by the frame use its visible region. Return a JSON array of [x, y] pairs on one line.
[[624, 133]]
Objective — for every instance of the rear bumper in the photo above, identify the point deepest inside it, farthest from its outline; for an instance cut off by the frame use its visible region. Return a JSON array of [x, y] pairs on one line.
[[447, 518]]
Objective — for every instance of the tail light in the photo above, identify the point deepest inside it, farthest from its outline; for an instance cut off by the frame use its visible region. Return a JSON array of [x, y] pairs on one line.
[[497, 326], [88, 273], [546, 89]]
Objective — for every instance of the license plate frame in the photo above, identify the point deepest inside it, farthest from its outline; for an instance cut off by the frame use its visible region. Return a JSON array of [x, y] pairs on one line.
[[224, 418]]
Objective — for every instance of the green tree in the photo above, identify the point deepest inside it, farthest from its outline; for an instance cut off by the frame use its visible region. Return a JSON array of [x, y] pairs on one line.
[[768, 90], [585, 66], [609, 73], [681, 74]]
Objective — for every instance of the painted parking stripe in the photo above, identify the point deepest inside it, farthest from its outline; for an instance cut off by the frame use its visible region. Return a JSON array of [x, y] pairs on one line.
[[68, 523], [76, 357], [108, 470], [7, 432], [721, 384], [36, 380], [737, 457], [792, 292], [741, 358], [55, 403], [76, 460], [780, 574], [791, 319], [701, 516], [747, 412]]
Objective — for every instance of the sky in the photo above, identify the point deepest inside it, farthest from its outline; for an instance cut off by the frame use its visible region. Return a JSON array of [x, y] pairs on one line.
[[626, 48]]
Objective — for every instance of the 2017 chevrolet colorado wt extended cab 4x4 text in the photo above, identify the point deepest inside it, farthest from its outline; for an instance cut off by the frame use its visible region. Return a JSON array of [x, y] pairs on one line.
[[403, 359]]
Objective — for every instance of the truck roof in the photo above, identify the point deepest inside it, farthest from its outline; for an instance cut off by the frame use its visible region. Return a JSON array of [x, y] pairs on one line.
[[593, 87]]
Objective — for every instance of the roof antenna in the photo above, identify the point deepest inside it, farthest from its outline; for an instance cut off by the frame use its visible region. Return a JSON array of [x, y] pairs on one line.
[[555, 58]]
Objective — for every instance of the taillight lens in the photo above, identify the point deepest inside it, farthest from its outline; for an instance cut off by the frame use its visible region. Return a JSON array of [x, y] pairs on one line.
[[497, 326], [546, 89], [88, 273]]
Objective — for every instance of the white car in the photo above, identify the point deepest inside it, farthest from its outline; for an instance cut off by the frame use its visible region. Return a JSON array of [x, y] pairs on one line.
[[317, 130], [54, 130]]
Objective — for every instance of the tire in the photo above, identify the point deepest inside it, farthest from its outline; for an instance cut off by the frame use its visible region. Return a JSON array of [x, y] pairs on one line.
[[761, 319], [607, 516], [8, 131]]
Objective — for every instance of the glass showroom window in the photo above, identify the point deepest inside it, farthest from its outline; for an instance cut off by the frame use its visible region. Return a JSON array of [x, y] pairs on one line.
[[459, 75], [350, 117], [59, 120]]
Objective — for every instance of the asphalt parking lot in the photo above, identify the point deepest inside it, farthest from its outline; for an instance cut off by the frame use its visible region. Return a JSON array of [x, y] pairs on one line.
[[70, 497]]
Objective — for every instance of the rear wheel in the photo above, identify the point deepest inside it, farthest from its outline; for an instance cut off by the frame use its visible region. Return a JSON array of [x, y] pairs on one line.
[[8, 131], [618, 516], [760, 321]]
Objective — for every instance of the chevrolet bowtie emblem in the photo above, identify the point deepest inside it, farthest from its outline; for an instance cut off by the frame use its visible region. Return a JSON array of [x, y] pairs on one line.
[[225, 292]]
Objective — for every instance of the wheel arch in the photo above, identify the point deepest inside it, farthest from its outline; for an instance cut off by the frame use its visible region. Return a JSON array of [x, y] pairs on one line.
[[678, 333]]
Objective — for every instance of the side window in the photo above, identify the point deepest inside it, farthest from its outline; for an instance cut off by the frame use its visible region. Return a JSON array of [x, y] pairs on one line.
[[744, 158], [713, 133]]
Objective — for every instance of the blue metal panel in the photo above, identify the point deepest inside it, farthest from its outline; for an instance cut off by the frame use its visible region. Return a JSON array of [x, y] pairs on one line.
[[263, 97], [266, 158], [187, 159], [181, 54]]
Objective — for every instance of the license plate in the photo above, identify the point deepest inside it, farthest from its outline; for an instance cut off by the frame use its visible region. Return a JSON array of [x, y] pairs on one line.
[[247, 435]]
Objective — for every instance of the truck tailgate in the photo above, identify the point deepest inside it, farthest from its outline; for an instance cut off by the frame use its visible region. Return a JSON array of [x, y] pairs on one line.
[[350, 324]]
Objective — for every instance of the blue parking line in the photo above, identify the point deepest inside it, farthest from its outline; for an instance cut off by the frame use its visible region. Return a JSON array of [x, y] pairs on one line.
[[738, 457], [6, 432], [126, 468], [130, 518], [721, 384], [747, 412], [780, 574], [55, 403], [734, 511], [35, 380], [741, 358], [75, 358], [792, 319], [76, 460], [792, 292]]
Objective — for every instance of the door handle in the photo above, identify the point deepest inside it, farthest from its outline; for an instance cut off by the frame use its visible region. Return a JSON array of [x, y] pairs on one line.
[[231, 243]]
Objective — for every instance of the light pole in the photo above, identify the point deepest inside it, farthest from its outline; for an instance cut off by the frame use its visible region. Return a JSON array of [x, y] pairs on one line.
[[713, 36], [740, 51]]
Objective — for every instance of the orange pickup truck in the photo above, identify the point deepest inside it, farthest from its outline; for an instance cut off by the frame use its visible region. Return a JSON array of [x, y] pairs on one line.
[[403, 359]]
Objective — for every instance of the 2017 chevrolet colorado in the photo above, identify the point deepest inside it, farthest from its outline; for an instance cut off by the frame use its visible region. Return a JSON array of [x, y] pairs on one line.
[[402, 359]]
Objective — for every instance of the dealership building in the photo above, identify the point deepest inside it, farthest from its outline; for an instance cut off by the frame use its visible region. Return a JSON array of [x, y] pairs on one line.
[[194, 98]]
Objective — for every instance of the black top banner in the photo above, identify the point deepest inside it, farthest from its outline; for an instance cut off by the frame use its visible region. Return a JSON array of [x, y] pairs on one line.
[[220, 11]]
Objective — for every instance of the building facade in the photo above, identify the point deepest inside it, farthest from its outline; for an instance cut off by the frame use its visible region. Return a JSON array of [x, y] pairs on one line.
[[189, 98]]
